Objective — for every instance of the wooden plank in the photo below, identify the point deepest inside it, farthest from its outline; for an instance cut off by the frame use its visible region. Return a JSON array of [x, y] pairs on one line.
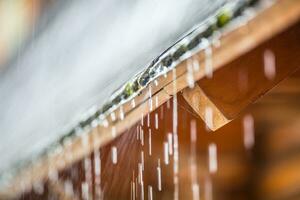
[[241, 82], [224, 89], [209, 113]]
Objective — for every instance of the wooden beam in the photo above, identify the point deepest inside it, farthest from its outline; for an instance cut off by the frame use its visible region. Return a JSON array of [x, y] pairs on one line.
[[241, 82], [206, 109]]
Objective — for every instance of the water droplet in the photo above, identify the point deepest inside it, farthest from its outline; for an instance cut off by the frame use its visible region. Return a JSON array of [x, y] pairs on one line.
[[269, 64], [170, 143], [156, 121], [150, 143], [248, 124], [85, 190], [166, 153], [208, 58], [114, 155], [113, 116], [158, 176], [212, 158], [133, 103], [150, 192], [121, 113]]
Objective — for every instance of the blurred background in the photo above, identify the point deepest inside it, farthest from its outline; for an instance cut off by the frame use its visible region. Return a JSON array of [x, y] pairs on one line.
[[255, 156]]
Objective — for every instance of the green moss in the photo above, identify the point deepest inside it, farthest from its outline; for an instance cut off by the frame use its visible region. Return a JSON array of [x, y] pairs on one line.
[[179, 52], [223, 18], [128, 90], [135, 86]]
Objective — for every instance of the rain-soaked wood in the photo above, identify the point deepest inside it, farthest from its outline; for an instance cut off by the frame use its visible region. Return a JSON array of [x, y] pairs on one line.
[[233, 44], [201, 103], [241, 82]]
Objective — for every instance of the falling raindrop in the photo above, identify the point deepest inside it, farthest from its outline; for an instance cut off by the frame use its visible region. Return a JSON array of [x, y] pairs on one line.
[[158, 176], [150, 99], [156, 101], [194, 181], [142, 119], [114, 155], [269, 64], [166, 153], [105, 123], [142, 191], [248, 125], [212, 158], [68, 187], [142, 136], [88, 170], [208, 58], [113, 116], [140, 168], [190, 74], [196, 65], [170, 143], [142, 160], [133, 197], [137, 132], [38, 187], [133, 103], [121, 113], [150, 143], [175, 140], [156, 121], [97, 170], [150, 192], [53, 175], [216, 39], [168, 104], [148, 120], [208, 190], [85, 190]]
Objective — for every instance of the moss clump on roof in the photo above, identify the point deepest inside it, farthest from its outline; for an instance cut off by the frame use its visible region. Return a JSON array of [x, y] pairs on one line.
[[223, 18], [180, 51]]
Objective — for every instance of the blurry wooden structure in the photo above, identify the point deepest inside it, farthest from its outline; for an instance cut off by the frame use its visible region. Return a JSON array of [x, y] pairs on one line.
[[240, 55]]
